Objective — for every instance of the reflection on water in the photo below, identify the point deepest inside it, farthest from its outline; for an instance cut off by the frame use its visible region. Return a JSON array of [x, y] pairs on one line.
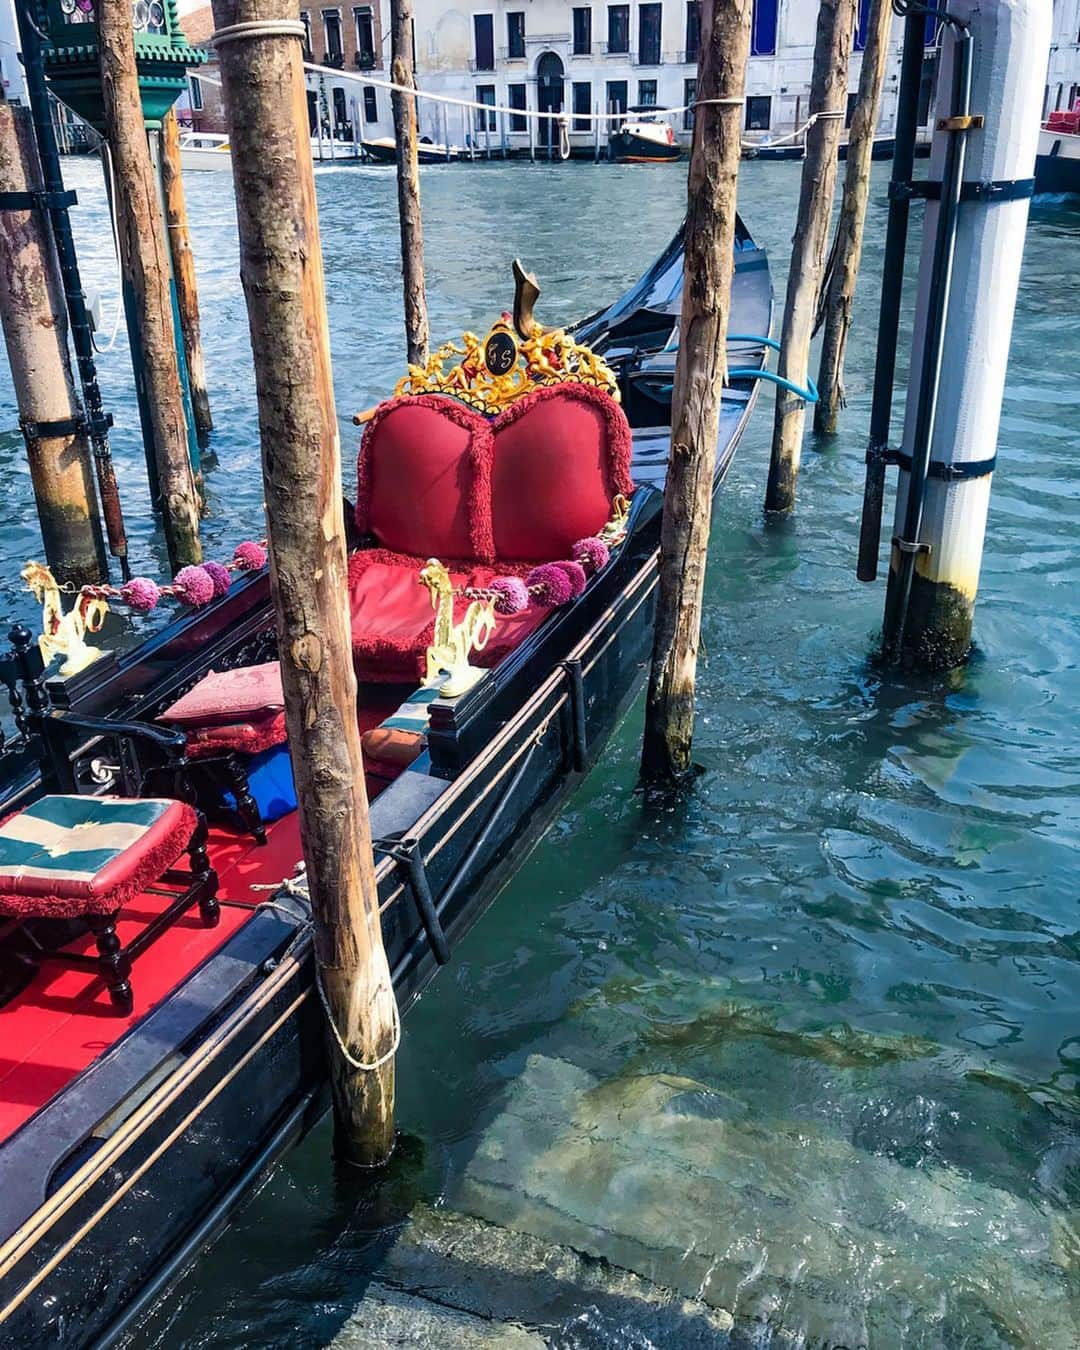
[[806, 1049]]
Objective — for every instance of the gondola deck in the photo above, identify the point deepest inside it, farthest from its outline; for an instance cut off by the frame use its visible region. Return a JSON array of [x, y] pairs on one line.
[[127, 1141]]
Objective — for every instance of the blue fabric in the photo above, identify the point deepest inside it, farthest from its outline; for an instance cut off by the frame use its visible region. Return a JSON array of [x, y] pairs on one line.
[[270, 781]]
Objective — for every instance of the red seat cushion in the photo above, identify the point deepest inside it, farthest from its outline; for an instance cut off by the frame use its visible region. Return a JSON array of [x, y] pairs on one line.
[[224, 697], [393, 622], [561, 455], [247, 738], [423, 478], [68, 856]]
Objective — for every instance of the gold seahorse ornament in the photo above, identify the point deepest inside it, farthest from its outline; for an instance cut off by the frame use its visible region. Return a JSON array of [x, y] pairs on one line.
[[65, 634], [453, 643]]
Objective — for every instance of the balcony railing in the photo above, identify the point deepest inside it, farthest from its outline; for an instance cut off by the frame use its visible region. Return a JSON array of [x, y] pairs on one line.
[[364, 60], [335, 59]]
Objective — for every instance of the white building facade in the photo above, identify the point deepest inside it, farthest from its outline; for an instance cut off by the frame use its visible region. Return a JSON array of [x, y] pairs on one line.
[[1063, 77], [555, 55]]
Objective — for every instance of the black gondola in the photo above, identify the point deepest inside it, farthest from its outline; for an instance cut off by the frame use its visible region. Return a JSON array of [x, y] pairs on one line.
[[118, 1171]]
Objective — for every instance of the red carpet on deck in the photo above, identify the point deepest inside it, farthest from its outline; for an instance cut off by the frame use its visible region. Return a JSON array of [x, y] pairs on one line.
[[63, 1021]]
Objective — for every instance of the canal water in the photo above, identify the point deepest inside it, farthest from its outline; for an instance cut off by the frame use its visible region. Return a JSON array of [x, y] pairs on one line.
[[804, 1049]]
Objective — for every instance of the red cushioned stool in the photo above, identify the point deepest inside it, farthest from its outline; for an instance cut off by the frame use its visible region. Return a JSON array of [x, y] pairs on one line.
[[71, 857], [229, 716]]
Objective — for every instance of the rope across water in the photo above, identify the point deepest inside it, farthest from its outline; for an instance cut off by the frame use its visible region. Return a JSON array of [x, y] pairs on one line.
[[287, 28]]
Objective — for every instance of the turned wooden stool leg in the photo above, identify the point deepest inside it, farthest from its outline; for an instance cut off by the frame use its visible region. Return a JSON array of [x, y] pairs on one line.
[[247, 808], [209, 909], [115, 966]]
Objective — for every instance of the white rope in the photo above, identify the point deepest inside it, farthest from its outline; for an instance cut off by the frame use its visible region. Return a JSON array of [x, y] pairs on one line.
[[101, 351], [349, 1058], [297, 885], [535, 114], [258, 28]]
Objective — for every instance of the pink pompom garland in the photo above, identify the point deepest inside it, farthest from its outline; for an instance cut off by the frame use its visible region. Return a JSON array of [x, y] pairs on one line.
[[509, 595], [219, 575], [549, 585], [575, 575], [140, 593], [193, 585], [249, 556], [591, 554]]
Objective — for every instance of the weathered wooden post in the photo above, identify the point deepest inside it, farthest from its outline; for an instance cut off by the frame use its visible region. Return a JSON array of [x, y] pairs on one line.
[[408, 182], [140, 229], [183, 261], [259, 46], [700, 370], [828, 96], [36, 333], [841, 292]]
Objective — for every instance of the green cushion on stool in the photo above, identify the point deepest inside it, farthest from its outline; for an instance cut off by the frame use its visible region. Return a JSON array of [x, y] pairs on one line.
[[65, 856]]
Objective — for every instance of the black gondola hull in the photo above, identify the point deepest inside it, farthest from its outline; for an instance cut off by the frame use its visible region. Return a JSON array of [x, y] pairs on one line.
[[119, 1181]]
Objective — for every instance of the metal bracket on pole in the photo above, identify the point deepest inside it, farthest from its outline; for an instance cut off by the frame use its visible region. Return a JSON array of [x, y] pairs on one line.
[[962, 471], [961, 122], [577, 713], [909, 545], [1000, 190], [407, 852], [37, 200], [62, 426]]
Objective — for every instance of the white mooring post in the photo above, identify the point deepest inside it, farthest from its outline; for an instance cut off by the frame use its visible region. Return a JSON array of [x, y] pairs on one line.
[[963, 323]]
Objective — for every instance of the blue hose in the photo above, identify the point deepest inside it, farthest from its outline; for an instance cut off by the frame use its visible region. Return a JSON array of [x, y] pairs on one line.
[[809, 395]]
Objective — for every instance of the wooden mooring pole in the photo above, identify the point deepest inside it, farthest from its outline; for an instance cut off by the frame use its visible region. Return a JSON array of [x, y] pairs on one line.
[[700, 371], [828, 97], [183, 261], [36, 333], [282, 272], [143, 256], [408, 182], [841, 292]]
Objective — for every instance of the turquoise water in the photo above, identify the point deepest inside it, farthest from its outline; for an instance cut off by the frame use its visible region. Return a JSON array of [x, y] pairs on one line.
[[805, 1048]]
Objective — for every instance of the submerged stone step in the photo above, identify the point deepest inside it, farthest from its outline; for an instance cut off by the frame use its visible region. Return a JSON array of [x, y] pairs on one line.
[[795, 1231], [451, 1280], [390, 1318]]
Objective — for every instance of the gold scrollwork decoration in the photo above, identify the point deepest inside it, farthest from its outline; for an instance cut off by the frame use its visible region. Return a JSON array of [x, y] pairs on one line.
[[493, 373]]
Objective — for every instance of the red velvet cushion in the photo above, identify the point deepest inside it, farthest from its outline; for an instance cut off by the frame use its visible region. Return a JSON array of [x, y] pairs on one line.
[[561, 455], [229, 696], [246, 738], [393, 622], [423, 478]]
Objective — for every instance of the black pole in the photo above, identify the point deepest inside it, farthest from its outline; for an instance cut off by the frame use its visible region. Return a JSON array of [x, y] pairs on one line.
[[98, 421], [899, 592], [892, 287]]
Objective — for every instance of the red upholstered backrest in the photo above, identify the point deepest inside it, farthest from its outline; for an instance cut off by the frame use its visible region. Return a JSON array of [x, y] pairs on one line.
[[562, 453], [436, 479], [423, 478]]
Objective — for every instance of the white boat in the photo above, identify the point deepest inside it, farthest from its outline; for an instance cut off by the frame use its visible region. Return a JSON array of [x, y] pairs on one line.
[[203, 150], [1057, 164], [645, 137], [383, 150]]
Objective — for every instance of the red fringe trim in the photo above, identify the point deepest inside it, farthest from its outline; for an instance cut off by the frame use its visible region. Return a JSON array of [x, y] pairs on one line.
[[156, 860], [246, 738]]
